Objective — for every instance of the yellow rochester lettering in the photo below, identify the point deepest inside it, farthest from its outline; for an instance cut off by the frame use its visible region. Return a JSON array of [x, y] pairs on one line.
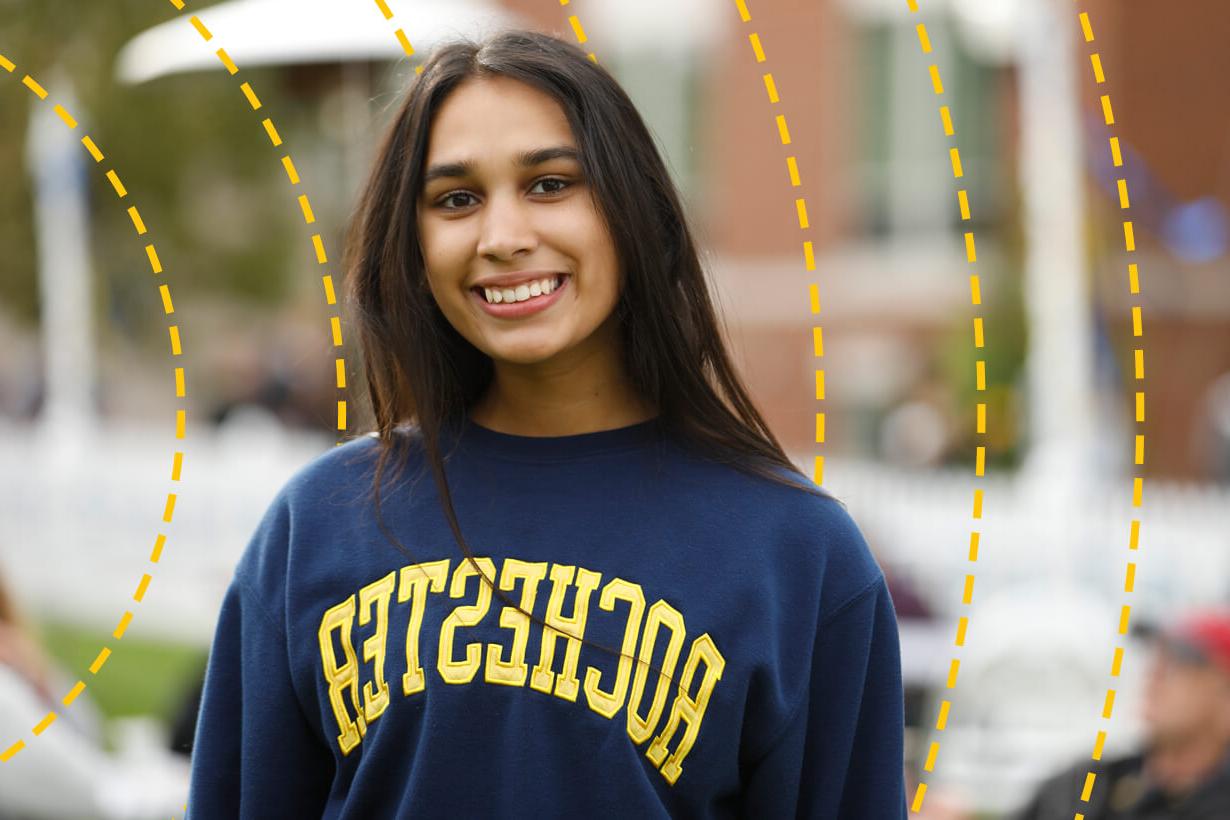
[[566, 684], [608, 703], [376, 699], [660, 614], [513, 671], [415, 582], [464, 671], [687, 709], [345, 677]]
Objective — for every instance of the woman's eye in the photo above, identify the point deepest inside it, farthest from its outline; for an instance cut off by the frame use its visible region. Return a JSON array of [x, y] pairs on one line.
[[444, 201], [447, 197], [562, 182]]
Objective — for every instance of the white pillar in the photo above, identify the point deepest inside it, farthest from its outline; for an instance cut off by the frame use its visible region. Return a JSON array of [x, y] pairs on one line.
[[1059, 360], [55, 159]]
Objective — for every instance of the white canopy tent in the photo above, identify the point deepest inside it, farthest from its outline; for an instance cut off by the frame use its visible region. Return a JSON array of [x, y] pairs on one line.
[[653, 44], [293, 32]]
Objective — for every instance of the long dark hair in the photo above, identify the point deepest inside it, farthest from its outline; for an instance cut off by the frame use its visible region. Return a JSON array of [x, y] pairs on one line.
[[420, 369]]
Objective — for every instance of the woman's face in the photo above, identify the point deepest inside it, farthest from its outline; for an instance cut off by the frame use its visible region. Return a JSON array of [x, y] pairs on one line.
[[487, 218]]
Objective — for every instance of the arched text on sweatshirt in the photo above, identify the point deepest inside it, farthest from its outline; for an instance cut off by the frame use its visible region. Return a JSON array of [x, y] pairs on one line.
[[401, 598]]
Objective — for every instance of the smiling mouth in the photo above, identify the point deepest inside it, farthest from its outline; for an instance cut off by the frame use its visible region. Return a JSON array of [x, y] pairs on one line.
[[501, 296]]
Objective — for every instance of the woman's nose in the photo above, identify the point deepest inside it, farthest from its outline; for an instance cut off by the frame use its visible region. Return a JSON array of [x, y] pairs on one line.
[[506, 227]]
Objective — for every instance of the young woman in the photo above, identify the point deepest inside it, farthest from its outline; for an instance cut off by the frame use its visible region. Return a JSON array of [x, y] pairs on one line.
[[650, 613]]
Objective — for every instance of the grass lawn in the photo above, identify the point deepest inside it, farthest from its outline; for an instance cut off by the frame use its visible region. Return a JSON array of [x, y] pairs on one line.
[[140, 677]]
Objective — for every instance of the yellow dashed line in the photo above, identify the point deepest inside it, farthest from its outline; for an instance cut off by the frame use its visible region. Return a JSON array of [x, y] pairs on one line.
[[938, 86], [141, 587], [405, 42], [47, 720], [979, 339], [136, 220], [100, 660], [771, 88], [77, 689], [113, 177], [65, 116], [200, 28], [122, 627], [165, 292], [757, 48], [253, 100], [157, 551], [782, 130], [291, 173], [577, 30], [274, 137], [1138, 355], [231, 68], [38, 90], [308, 217], [92, 148]]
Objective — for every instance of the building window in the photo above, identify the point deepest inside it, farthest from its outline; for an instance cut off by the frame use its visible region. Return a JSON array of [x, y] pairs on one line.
[[901, 168]]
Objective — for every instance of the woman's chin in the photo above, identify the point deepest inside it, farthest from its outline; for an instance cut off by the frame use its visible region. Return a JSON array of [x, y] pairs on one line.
[[522, 356]]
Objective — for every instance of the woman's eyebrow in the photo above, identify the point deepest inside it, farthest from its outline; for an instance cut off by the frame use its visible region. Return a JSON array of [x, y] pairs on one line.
[[526, 159]]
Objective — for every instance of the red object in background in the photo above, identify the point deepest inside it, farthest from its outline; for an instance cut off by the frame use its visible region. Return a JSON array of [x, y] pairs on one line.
[[1207, 630]]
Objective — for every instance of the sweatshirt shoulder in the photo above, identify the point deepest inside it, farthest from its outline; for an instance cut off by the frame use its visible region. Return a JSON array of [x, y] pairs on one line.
[[822, 544], [338, 465], [319, 497]]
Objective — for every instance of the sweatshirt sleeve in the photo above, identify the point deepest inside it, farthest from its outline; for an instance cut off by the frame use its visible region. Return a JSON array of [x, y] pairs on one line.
[[841, 755], [254, 754]]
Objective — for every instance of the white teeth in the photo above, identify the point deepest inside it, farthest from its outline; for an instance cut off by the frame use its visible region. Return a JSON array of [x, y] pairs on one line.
[[522, 292]]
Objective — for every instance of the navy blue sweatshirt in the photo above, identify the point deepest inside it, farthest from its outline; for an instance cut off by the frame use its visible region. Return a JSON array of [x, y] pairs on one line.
[[350, 679]]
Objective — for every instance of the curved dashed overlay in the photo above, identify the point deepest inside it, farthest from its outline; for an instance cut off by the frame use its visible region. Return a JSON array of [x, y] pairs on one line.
[[809, 264], [177, 462], [305, 205], [1138, 355], [980, 375], [318, 242], [792, 168]]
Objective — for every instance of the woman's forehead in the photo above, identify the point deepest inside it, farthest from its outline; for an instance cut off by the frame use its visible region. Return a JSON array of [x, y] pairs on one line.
[[498, 101], [496, 133]]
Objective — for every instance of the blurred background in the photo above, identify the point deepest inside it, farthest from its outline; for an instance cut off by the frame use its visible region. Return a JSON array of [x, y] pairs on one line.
[[87, 397]]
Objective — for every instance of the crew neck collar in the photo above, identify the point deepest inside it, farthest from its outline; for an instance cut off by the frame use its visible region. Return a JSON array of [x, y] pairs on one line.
[[557, 448]]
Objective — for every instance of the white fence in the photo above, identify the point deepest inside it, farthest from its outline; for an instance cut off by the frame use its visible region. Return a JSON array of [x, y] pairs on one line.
[[78, 523]]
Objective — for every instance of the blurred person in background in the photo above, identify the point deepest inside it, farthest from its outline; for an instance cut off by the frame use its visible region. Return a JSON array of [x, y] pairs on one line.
[[65, 772], [1183, 771]]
